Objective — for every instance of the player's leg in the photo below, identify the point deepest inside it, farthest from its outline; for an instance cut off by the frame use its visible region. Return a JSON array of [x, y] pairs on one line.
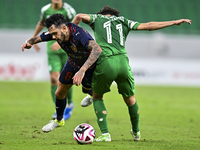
[[54, 69], [126, 87], [54, 84], [134, 116], [86, 88], [69, 97], [99, 106], [70, 105], [64, 84], [101, 114], [61, 93], [101, 82], [88, 99]]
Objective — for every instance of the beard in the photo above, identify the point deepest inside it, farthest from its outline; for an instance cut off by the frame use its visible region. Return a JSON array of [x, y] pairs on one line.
[[62, 37]]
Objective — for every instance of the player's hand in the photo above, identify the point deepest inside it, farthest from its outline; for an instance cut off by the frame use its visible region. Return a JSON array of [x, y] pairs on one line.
[[179, 22], [78, 77], [37, 48], [55, 46], [26, 46]]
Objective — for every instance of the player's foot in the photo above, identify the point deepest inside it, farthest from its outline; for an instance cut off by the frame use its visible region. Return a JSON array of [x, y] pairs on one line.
[[53, 124], [54, 116], [86, 101], [136, 136], [104, 138], [68, 111]]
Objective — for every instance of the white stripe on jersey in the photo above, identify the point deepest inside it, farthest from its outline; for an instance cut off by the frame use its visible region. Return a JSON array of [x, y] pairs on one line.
[[131, 24], [43, 10], [94, 17], [70, 10]]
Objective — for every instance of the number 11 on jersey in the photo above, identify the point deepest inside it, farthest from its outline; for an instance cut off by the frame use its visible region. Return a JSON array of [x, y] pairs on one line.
[[107, 25]]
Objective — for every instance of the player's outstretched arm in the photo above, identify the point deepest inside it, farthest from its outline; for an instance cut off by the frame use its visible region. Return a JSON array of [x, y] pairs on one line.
[[81, 17], [38, 29], [159, 25], [28, 44], [94, 55]]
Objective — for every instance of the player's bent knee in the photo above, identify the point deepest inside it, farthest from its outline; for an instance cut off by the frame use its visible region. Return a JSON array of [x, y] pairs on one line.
[[59, 95]]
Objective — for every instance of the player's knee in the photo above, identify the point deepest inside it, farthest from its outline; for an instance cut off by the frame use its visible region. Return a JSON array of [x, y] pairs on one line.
[[129, 100], [59, 95], [54, 81]]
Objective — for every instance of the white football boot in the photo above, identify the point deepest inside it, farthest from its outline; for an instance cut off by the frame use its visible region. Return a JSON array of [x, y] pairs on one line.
[[53, 124], [88, 100], [136, 136]]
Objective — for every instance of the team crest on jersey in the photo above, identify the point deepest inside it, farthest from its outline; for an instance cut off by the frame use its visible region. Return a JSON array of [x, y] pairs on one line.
[[74, 48]]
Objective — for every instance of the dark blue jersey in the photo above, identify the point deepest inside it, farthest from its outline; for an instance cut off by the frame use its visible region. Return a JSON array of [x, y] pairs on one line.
[[76, 47]]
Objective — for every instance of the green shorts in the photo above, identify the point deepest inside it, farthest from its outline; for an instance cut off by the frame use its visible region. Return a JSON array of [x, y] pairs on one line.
[[114, 68], [56, 61]]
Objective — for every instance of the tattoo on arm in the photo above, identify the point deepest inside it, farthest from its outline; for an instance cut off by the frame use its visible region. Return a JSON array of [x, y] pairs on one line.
[[94, 55], [34, 40]]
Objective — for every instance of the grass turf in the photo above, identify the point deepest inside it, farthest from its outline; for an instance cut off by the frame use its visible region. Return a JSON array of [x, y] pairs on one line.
[[169, 118]]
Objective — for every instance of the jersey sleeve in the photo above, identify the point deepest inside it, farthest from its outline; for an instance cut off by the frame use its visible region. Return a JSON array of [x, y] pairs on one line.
[[42, 12], [92, 18], [83, 37], [42, 15], [45, 36], [71, 13], [132, 25]]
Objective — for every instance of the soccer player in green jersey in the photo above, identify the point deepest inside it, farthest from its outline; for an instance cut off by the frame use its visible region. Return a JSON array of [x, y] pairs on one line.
[[56, 56], [111, 31]]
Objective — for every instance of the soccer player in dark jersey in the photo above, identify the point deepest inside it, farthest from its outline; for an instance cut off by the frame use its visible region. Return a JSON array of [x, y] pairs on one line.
[[56, 57], [82, 52], [110, 32]]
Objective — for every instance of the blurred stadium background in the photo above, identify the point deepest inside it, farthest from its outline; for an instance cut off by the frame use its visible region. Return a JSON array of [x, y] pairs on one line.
[[166, 56]]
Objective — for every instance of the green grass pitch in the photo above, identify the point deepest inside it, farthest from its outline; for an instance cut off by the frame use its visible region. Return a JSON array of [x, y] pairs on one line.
[[170, 119]]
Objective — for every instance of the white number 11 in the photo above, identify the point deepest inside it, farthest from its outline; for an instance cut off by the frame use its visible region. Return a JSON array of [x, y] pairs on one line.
[[107, 25]]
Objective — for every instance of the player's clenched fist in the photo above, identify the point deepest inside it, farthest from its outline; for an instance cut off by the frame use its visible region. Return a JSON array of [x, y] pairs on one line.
[[26, 46]]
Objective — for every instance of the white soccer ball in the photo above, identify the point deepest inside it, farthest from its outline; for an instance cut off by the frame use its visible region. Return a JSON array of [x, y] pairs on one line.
[[84, 134]]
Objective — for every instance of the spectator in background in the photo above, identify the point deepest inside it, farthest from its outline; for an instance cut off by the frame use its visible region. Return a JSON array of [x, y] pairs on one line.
[[55, 55]]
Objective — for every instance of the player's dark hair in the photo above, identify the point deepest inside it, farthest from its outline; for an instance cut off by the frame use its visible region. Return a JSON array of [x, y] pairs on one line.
[[55, 19], [108, 10]]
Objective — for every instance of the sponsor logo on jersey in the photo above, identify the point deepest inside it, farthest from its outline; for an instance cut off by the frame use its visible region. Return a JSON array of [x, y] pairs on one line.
[[74, 48], [77, 33]]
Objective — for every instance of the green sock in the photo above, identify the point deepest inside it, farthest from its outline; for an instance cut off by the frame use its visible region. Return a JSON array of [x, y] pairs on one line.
[[69, 96], [53, 90], [134, 116], [101, 113]]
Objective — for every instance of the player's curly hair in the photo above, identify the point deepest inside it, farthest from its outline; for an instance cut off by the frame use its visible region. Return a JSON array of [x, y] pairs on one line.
[[55, 19], [108, 10]]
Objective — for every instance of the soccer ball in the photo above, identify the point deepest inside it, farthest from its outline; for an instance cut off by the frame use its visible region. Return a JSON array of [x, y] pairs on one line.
[[84, 134]]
